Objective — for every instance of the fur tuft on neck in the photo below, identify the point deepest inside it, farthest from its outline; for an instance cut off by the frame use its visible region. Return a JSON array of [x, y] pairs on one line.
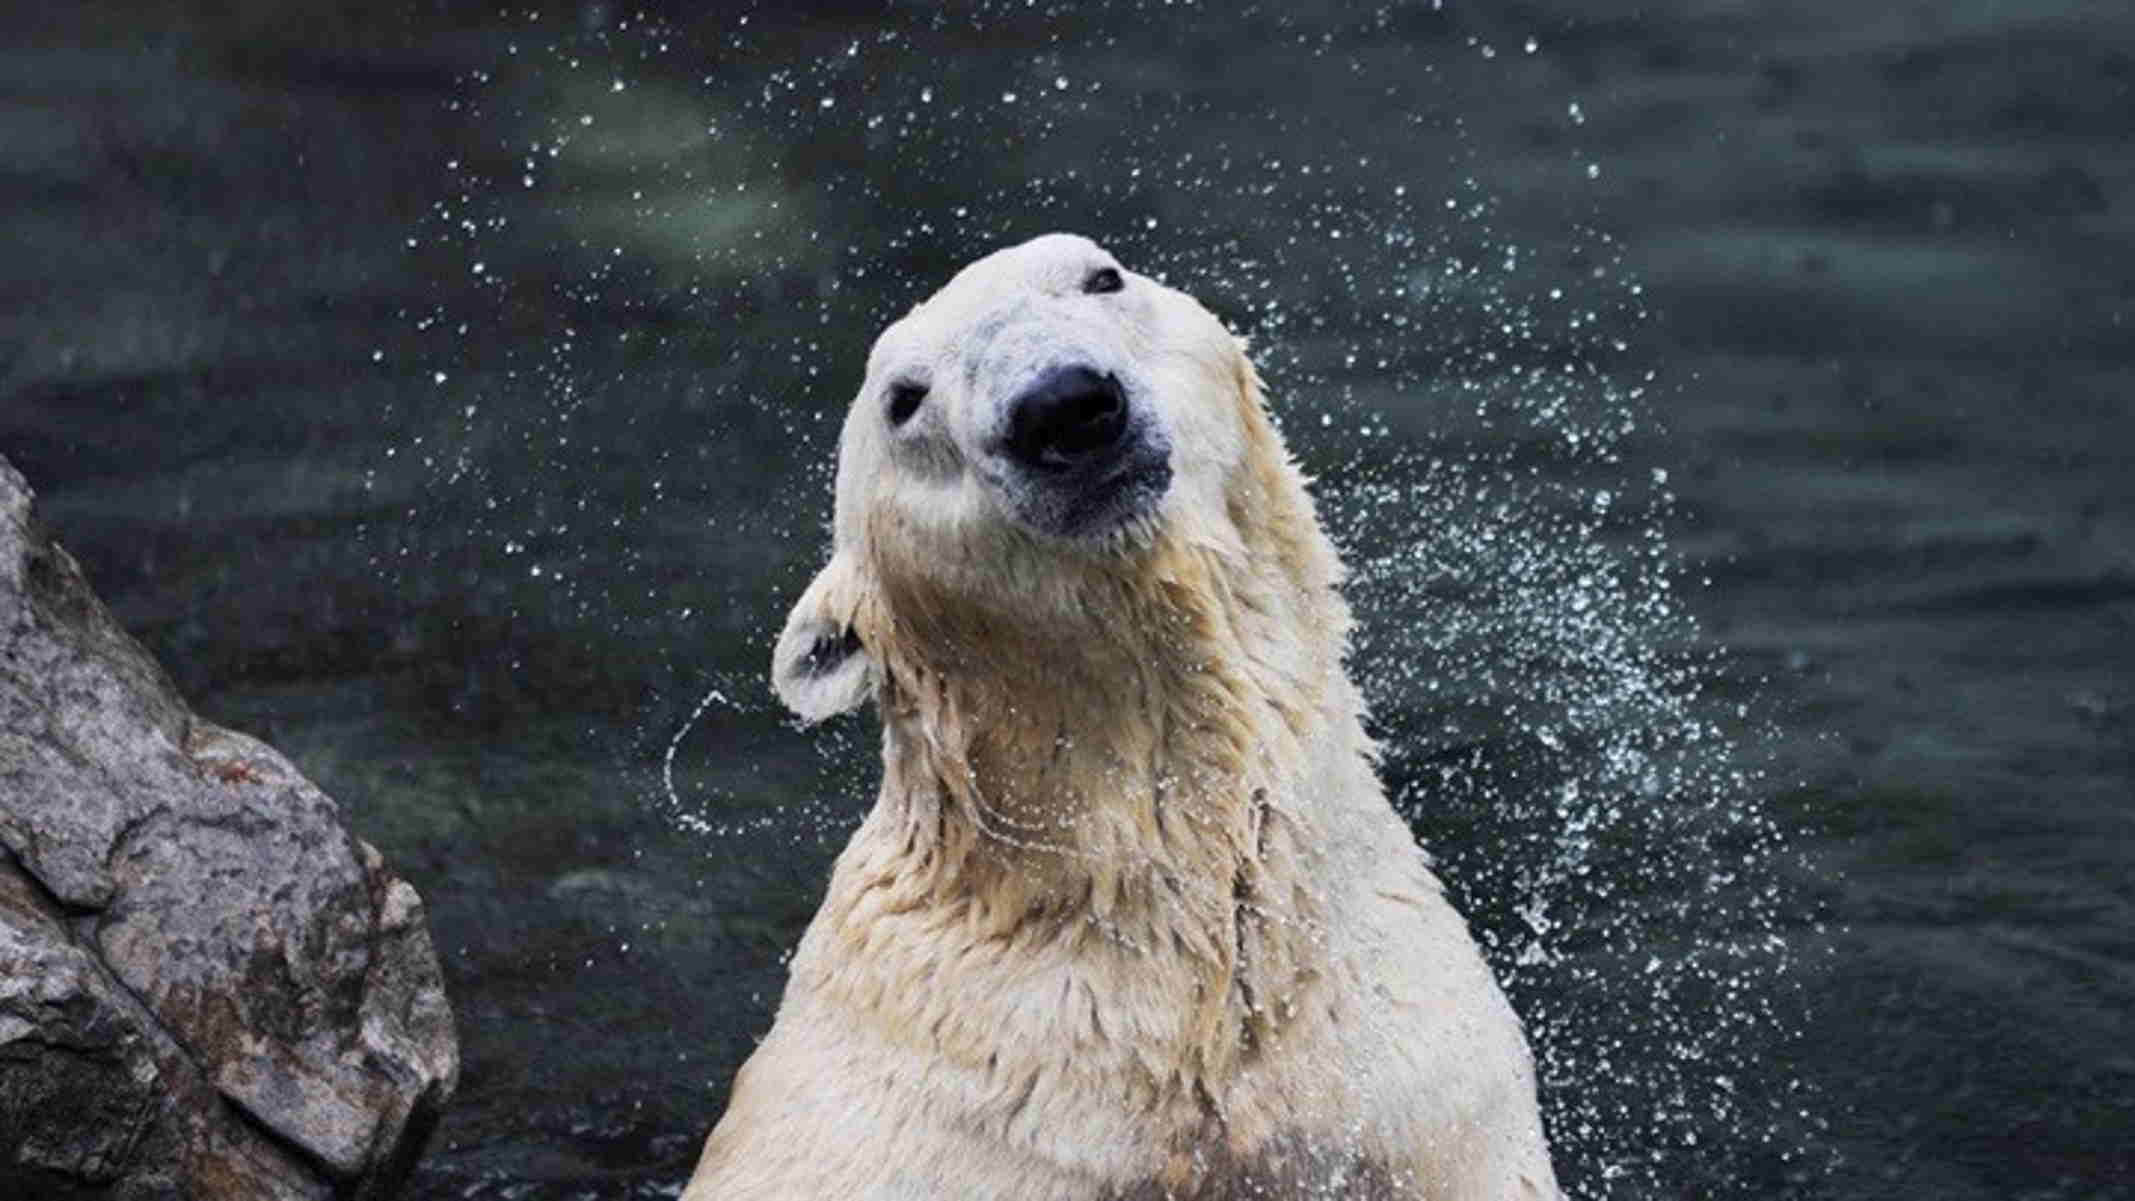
[[1137, 768]]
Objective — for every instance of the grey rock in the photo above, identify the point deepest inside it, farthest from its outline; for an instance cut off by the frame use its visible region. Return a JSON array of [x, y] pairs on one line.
[[208, 988]]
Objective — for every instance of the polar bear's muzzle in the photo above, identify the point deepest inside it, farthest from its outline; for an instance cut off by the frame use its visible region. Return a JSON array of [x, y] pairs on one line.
[[1073, 455]]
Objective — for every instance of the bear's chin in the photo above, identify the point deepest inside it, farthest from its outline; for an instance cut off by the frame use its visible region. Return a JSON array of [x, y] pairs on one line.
[[1118, 504]]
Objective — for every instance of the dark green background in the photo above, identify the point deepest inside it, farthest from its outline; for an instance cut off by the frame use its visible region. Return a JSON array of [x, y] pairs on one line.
[[455, 419]]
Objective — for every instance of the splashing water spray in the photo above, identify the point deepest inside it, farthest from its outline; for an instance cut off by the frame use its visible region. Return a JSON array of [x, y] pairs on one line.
[[1555, 729]]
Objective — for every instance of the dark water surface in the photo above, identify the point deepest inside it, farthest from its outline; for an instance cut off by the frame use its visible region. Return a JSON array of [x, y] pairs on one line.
[[1727, 408]]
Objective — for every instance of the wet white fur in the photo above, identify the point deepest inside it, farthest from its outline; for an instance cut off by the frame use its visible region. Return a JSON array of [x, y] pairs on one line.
[[1131, 915]]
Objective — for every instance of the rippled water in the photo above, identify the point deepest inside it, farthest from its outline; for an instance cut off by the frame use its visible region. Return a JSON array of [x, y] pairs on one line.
[[1721, 413]]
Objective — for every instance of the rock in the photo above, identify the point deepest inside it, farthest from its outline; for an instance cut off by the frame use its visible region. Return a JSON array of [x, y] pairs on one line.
[[208, 988]]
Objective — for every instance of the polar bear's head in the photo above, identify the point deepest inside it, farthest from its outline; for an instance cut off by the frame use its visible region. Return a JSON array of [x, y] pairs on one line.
[[1036, 430]]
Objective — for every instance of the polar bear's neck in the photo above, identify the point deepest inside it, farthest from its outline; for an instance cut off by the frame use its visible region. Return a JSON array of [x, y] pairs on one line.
[[1150, 783], [1122, 792], [1146, 723]]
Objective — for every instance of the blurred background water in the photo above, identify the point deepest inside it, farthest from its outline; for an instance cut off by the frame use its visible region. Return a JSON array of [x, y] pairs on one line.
[[1726, 408]]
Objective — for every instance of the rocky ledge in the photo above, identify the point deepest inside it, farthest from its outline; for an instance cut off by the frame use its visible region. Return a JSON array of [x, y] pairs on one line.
[[209, 989]]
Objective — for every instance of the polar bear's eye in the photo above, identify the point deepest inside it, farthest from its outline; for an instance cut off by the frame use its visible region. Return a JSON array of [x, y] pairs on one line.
[[1104, 279], [904, 401]]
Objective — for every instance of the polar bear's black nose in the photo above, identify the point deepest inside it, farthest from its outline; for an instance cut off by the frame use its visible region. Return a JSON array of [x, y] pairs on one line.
[[1068, 417]]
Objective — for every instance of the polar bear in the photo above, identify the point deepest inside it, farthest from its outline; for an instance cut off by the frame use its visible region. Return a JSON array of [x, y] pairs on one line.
[[1131, 917]]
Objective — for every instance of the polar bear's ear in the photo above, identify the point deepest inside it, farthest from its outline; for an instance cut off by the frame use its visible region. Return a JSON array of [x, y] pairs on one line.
[[820, 668]]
